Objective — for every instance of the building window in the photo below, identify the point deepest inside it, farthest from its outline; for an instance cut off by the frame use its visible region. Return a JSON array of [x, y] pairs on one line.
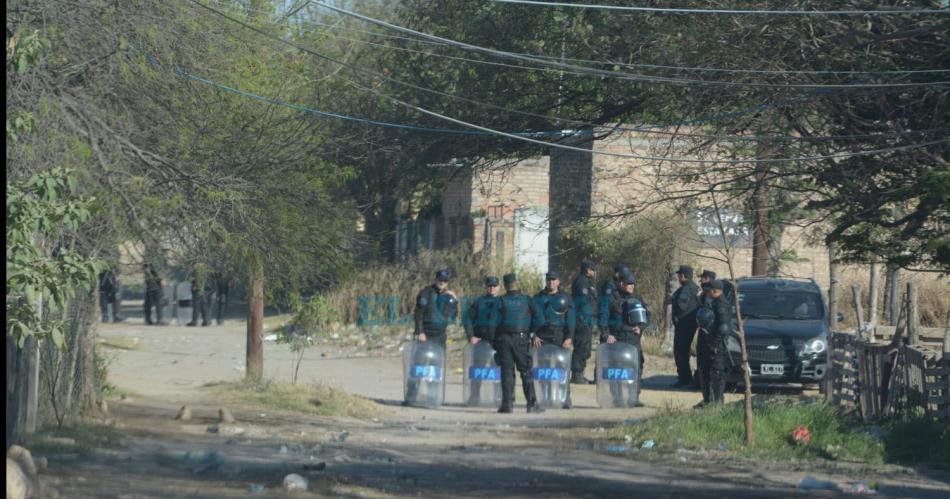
[[496, 212]]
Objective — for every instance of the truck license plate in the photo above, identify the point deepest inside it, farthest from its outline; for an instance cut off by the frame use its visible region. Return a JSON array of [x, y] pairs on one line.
[[773, 369]]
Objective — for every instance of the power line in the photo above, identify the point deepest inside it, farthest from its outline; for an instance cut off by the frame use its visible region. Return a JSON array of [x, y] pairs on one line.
[[601, 128], [680, 10], [617, 74], [524, 136], [312, 23]]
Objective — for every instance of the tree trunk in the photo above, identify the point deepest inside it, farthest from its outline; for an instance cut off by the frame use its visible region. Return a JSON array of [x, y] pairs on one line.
[[833, 287], [892, 294], [255, 326], [760, 212], [746, 378]]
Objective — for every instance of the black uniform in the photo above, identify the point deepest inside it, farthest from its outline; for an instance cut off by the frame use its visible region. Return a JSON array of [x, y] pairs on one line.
[[109, 294], [585, 304], [714, 366], [480, 321], [617, 326], [434, 312], [685, 303], [518, 318], [153, 295]]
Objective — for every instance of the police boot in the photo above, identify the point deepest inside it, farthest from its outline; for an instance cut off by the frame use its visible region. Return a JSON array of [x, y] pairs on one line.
[[505, 409]]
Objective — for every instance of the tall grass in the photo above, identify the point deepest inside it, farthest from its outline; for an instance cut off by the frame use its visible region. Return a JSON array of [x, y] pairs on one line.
[[388, 291]]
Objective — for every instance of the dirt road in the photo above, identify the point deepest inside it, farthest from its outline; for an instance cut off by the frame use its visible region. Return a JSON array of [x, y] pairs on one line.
[[451, 452]]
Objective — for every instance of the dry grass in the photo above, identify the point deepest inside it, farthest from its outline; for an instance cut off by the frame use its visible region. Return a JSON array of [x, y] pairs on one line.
[[388, 291], [933, 297], [317, 400]]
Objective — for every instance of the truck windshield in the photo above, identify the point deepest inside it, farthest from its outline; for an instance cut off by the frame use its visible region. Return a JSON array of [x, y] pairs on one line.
[[784, 305]]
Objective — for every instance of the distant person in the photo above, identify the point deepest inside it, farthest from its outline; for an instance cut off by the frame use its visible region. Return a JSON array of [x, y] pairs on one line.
[[153, 294], [685, 302], [584, 294], [109, 294], [221, 285], [519, 317], [200, 301], [436, 308]]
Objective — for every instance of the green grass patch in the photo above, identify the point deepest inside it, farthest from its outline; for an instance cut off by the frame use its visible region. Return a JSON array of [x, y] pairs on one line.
[[318, 400], [74, 438], [834, 436]]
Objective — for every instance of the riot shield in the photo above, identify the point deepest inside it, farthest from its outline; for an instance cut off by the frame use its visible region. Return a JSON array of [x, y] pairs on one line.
[[551, 365], [424, 374], [618, 369], [183, 303], [481, 385]]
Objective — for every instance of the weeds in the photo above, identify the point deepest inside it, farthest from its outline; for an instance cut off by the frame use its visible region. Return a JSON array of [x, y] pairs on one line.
[[834, 436], [78, 437]]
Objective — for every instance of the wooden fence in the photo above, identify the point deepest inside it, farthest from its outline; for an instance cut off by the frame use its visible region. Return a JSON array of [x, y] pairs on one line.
[[890, 372]]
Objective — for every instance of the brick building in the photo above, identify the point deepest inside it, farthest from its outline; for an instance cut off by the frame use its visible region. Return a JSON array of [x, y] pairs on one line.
[[518, 210]]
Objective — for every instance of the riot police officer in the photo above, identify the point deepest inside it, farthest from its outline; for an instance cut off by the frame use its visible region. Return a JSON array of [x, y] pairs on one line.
[[620, 325], [480, 323], [436, 308], [201, 299], [716, 323], [517, 321], [685, 302], [584, 293], [558, 319], [608, 289], [153, 294]]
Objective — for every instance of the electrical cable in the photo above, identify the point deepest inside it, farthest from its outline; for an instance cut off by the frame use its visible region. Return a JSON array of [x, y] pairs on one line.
[[642, 129], [617, 74], [312, 23], [681, 10]]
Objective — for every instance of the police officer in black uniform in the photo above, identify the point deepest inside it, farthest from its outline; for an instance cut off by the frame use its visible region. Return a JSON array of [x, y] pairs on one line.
[[436, 308], [617, 327], [153, 294], [558, 319], [584, 293], [518, 319], [685, 302], [715, 365], [480, 323]]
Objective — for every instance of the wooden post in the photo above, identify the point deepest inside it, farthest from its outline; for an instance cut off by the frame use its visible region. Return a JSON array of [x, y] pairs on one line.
[[858, 312], [873, 291], [255, 327], [946, 337], [833, 288], [913, 317], [892, 295]]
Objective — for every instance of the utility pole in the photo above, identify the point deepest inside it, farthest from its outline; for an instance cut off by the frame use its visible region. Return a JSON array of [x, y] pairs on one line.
[[255, 326]]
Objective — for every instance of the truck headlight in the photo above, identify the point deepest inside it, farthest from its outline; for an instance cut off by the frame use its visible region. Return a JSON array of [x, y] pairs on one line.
[[815, 345], [732, 344]]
